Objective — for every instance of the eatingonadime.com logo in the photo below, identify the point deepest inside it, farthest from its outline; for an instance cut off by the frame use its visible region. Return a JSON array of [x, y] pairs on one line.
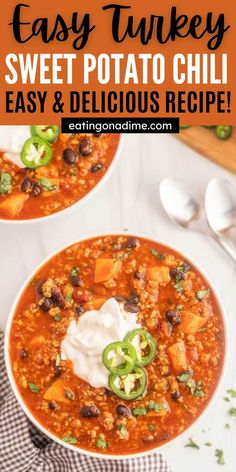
[[120, 125]]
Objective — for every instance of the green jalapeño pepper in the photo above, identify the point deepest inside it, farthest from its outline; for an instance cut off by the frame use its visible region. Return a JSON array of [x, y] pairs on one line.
[[145, 345], [46, 132], [119, 358], [36, 153], [130, 386], [223, 132]]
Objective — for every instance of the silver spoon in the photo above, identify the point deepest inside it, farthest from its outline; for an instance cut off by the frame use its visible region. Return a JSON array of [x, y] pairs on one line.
[[220, 207], [186, 209]]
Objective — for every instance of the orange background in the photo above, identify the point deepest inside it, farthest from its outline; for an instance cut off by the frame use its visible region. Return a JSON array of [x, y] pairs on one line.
[[101, 41]]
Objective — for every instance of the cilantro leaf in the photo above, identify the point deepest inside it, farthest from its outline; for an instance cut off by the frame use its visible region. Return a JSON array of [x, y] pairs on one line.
[[219, 454], [192, 444]]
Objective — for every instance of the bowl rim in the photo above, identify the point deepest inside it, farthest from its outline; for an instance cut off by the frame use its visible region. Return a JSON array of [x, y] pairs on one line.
[[98, 455], [78, 203]]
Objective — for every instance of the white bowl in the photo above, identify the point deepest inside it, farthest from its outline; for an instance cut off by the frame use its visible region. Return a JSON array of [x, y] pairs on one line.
[[80, 202], [97, 454]]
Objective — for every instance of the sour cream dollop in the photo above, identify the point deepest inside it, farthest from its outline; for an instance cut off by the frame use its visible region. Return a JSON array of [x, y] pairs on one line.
[[12, 139], [86, 339]]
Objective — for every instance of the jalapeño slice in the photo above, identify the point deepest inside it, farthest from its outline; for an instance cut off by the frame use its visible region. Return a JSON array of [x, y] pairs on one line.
[[49, 133], [130, 386], [119, 357], [145, 345], [36, 153]]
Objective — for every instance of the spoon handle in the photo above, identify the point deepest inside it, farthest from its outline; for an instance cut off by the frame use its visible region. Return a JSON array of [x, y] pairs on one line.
[[228, 246]]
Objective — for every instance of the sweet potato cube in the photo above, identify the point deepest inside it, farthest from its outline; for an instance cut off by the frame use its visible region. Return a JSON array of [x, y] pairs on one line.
[[13, 205], [191, 322], [56, 392], [94, 304], [177, 356], [37, 341], [106, 269], [159, 274]]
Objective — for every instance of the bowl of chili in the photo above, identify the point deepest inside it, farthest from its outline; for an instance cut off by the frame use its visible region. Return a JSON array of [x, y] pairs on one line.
[[159, 373], [53, 172]]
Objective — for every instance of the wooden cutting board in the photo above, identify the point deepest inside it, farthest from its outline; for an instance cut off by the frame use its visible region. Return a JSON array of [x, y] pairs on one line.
[[204, 141]]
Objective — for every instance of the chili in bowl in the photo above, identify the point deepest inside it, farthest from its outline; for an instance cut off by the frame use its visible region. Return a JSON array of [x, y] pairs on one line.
[[115, 346], [44, 172]]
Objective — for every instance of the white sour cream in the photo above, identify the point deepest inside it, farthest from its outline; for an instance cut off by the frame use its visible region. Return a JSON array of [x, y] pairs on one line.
[[86, 339], [12, 139]]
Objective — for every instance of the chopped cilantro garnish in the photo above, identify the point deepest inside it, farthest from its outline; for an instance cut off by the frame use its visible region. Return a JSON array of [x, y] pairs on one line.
[[101, 443], [220, 456], [232, 411], [47, 185], [201, 294], [179, 307], [75, 271], [34, 388], [123, 430], [184, 377], [158, 255], [194, 387], [153, 406], [139, 411], [69, 439], [209, 444], [5, 183], [192, 444], [69, 295], [151, 427], [232, 393], [179, 287]]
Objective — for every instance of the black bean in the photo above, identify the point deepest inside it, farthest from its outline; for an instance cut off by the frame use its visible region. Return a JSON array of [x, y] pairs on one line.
[[40, 287], [26, 185], [45, 304], [58, 298], [75, 280], [133, 299], [138, 275], [36, 190], [132, 308], [123, 410], [188, 371], [97, 135], [23, 354], [89, 411], [176, 274], [164, 437], [132, 243], [69, 156], [185, 267], [119, 298], [52, 405], [96, 167], [174, 317], [57, 371], [175, 395], [85, 147], [80, 310]]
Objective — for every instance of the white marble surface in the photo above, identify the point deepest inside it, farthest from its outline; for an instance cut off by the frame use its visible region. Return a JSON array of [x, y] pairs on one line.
[[129, 200]]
